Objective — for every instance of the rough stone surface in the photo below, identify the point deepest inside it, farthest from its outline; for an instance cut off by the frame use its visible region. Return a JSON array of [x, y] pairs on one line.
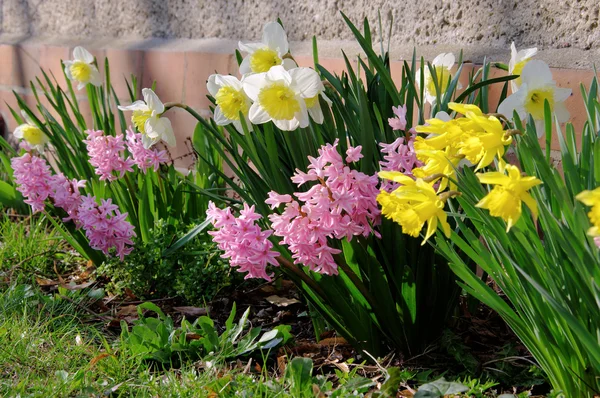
[[549, 24]]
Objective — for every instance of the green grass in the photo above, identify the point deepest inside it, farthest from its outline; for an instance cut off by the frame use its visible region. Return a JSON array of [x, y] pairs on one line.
[[51, 345], [29, 246]]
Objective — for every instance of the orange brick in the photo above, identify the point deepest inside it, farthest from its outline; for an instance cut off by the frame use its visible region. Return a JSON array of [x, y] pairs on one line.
[[199, 67], [167, 68], [8, 57], [124, 63], [50, 60]]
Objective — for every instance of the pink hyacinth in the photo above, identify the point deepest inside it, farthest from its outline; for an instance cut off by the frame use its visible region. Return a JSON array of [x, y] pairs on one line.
[[107, 154], [342, 204], [399, 156], [34, 178], [398, 122], [105, 226], [66, 195], [142, 157], [245, 244]]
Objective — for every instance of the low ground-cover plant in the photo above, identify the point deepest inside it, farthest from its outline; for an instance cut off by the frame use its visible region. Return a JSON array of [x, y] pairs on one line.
[[158, 339], [195, 274]]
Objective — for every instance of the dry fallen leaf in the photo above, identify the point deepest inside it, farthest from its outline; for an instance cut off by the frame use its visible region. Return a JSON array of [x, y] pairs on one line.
[[191, 311], [282, 301]]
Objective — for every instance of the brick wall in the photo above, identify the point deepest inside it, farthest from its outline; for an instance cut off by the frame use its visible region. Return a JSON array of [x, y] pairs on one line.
[[181, 75]]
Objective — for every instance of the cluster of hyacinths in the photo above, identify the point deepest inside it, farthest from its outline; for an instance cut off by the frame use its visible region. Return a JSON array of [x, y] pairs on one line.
[[107, 154], [104, 225], [272, 87], [475, 140], [340, 205]]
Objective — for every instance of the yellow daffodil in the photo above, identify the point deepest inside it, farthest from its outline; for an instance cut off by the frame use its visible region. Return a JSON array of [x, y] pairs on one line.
[[482, 145], [81, 69], [518, 60], [592, 198], [536, 87], [230, 98], [441, 65], [438, 163], [280, 96], [504, 200], [412, 205], [31, 133], [269, 52], [148, 121]]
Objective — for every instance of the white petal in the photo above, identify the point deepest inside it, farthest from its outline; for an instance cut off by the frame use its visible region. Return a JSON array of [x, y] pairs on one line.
[[446, 60], [536, 74], [514, 102], [149, 141], [316, 113], [81, 54], [245, 66], [513, 57], [167, 131], [257, 114], [253, 83], [539, 128], [136, 106], [95, 77], [250, 47], [278, 73], [154, 103], [289, 63], [443, 116], [212, 86], [18, 133], [561, 112], [219, 118], [561, 94], [68, 70], [228, 80], [274, 36], [302, 114], [27, 118], [81, 85], [306, 82], [287, 125], [238, 126], [526, 54], [326, 98], [160, 128]]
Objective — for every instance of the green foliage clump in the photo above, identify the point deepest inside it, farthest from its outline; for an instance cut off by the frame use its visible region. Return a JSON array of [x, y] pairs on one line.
[[195, 273]]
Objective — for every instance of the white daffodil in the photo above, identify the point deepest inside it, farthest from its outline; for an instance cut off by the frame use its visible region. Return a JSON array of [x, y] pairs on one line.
[[146, 119], [81, 69], [230, 98], [31, 133], [313, 105], [280, 96], [517, 63], [536, 87], [267, 53], [442, 64]]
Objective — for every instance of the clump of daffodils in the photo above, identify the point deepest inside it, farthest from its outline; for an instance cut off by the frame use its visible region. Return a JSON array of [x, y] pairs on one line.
[[475, 140], [272, 87], [536, 86], [31, 134], [592, 198], [441, 66], [509, 192], [81, 68], [148, 120]]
